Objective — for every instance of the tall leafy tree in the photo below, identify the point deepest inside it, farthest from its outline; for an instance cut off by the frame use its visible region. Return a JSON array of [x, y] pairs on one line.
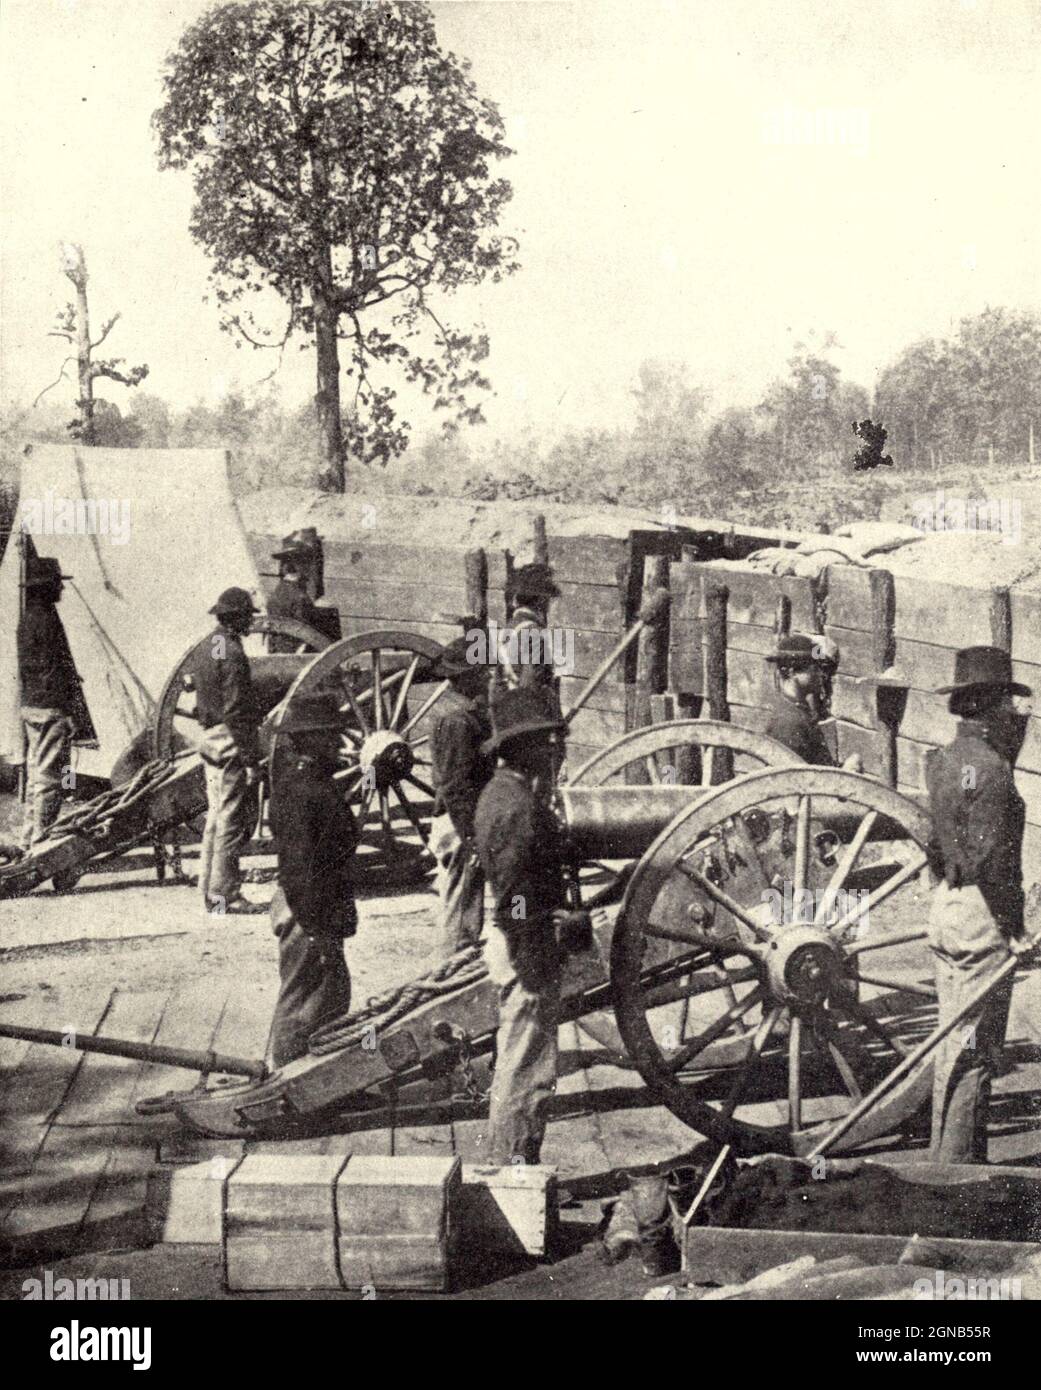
[[345, 162]]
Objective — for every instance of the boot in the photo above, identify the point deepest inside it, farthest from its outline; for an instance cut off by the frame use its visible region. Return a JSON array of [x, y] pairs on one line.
[[659, 1252], [618, 1231]]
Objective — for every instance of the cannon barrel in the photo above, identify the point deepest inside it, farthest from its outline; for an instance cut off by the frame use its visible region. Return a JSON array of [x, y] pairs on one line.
[[618, 822], [189, 1058]]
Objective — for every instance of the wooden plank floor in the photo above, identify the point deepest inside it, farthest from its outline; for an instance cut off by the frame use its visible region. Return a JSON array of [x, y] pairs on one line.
[[76, 1159]]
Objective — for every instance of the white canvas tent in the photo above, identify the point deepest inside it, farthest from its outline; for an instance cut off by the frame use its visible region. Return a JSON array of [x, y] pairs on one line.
[[150, 537]]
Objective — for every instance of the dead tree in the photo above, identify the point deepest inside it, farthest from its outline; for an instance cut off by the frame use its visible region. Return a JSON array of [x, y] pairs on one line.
[[73, 324]]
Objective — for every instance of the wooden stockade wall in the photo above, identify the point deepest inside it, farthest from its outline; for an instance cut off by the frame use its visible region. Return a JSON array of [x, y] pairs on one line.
[[603, 581], [907, 627]]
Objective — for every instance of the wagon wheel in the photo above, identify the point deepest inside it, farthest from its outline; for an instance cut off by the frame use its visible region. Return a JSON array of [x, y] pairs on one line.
[[741, 933], [385, 684], [682, 751], [176, 726]]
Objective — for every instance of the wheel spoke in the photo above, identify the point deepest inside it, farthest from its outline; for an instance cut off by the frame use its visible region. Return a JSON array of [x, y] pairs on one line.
[[880, 943], [795, 1074], [708, 762], [844, 1003], [802, 856], [905, 988], [844, 867], [883, 891], [399, 703], [751, 1058], [723, 899], [377, 687], [366, 801], [356, 708], [410, 811], [424, 708], [354, 771], [651, 764], [677, 1060], [418, 782], [388, 832], [674, 933]]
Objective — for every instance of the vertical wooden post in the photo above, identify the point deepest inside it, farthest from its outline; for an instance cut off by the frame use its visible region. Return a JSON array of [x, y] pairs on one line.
[[475, 564], [889, 702], [1001, 618], [652, 659], [716, 595], [540, 543]]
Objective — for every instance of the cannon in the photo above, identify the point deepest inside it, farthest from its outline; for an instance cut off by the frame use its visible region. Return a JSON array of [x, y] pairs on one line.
[[738, 971]]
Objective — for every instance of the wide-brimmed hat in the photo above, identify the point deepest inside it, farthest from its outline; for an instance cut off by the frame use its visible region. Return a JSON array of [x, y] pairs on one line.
[[310, 713], [302, 542], [982, 668], [234, 601], [42, 571], [454, 660], [796, 650], [520, 712], [534, 579]]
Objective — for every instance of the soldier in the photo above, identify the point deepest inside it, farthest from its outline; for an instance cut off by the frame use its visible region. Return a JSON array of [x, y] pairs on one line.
[[50, 695], [976, 918], [524, 660], [802, 665], [531, 933], [312, 911], [460, 772], [228, 714], [291, 597]]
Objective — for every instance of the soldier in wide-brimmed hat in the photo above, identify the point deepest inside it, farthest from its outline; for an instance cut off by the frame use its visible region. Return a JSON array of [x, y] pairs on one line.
[[299, 584], [976, 917], [313, 910], [460, 769], [802, 664], [531, 929], [229, 718], [50, 695]]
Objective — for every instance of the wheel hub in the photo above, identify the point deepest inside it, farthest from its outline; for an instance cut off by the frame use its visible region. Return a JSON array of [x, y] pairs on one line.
[[385, 756], [803, 964]]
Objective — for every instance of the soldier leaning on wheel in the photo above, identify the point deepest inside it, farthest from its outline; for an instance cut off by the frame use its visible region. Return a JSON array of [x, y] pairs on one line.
[[976, 918], [460, 771], [229, 717], [531, 931], [50, 694], [312, 911], [802, 665]]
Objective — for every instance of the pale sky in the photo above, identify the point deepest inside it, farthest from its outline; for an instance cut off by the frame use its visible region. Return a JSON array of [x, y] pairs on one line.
[[705, 182]]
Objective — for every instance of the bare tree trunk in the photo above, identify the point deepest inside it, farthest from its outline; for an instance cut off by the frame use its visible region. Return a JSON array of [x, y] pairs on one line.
[[76, 270], [326, 322], [327, 396]]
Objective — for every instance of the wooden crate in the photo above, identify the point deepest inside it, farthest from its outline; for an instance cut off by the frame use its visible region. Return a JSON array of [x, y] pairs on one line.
[[280, 1222], [396, 1220], [510, 1210]]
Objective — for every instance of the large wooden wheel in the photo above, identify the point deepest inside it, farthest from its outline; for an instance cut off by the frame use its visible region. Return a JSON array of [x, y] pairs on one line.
[[387, 691], [176, 726], [689, 751], [767, 964], [693, 752]]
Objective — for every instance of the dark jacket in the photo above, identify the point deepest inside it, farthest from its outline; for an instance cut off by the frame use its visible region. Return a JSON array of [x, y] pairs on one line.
[[795, 727], [460, 769], [315, 837], [289, 600], [524, 659], [521, 851], [46, 669], [978, 822], [224, 689]]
